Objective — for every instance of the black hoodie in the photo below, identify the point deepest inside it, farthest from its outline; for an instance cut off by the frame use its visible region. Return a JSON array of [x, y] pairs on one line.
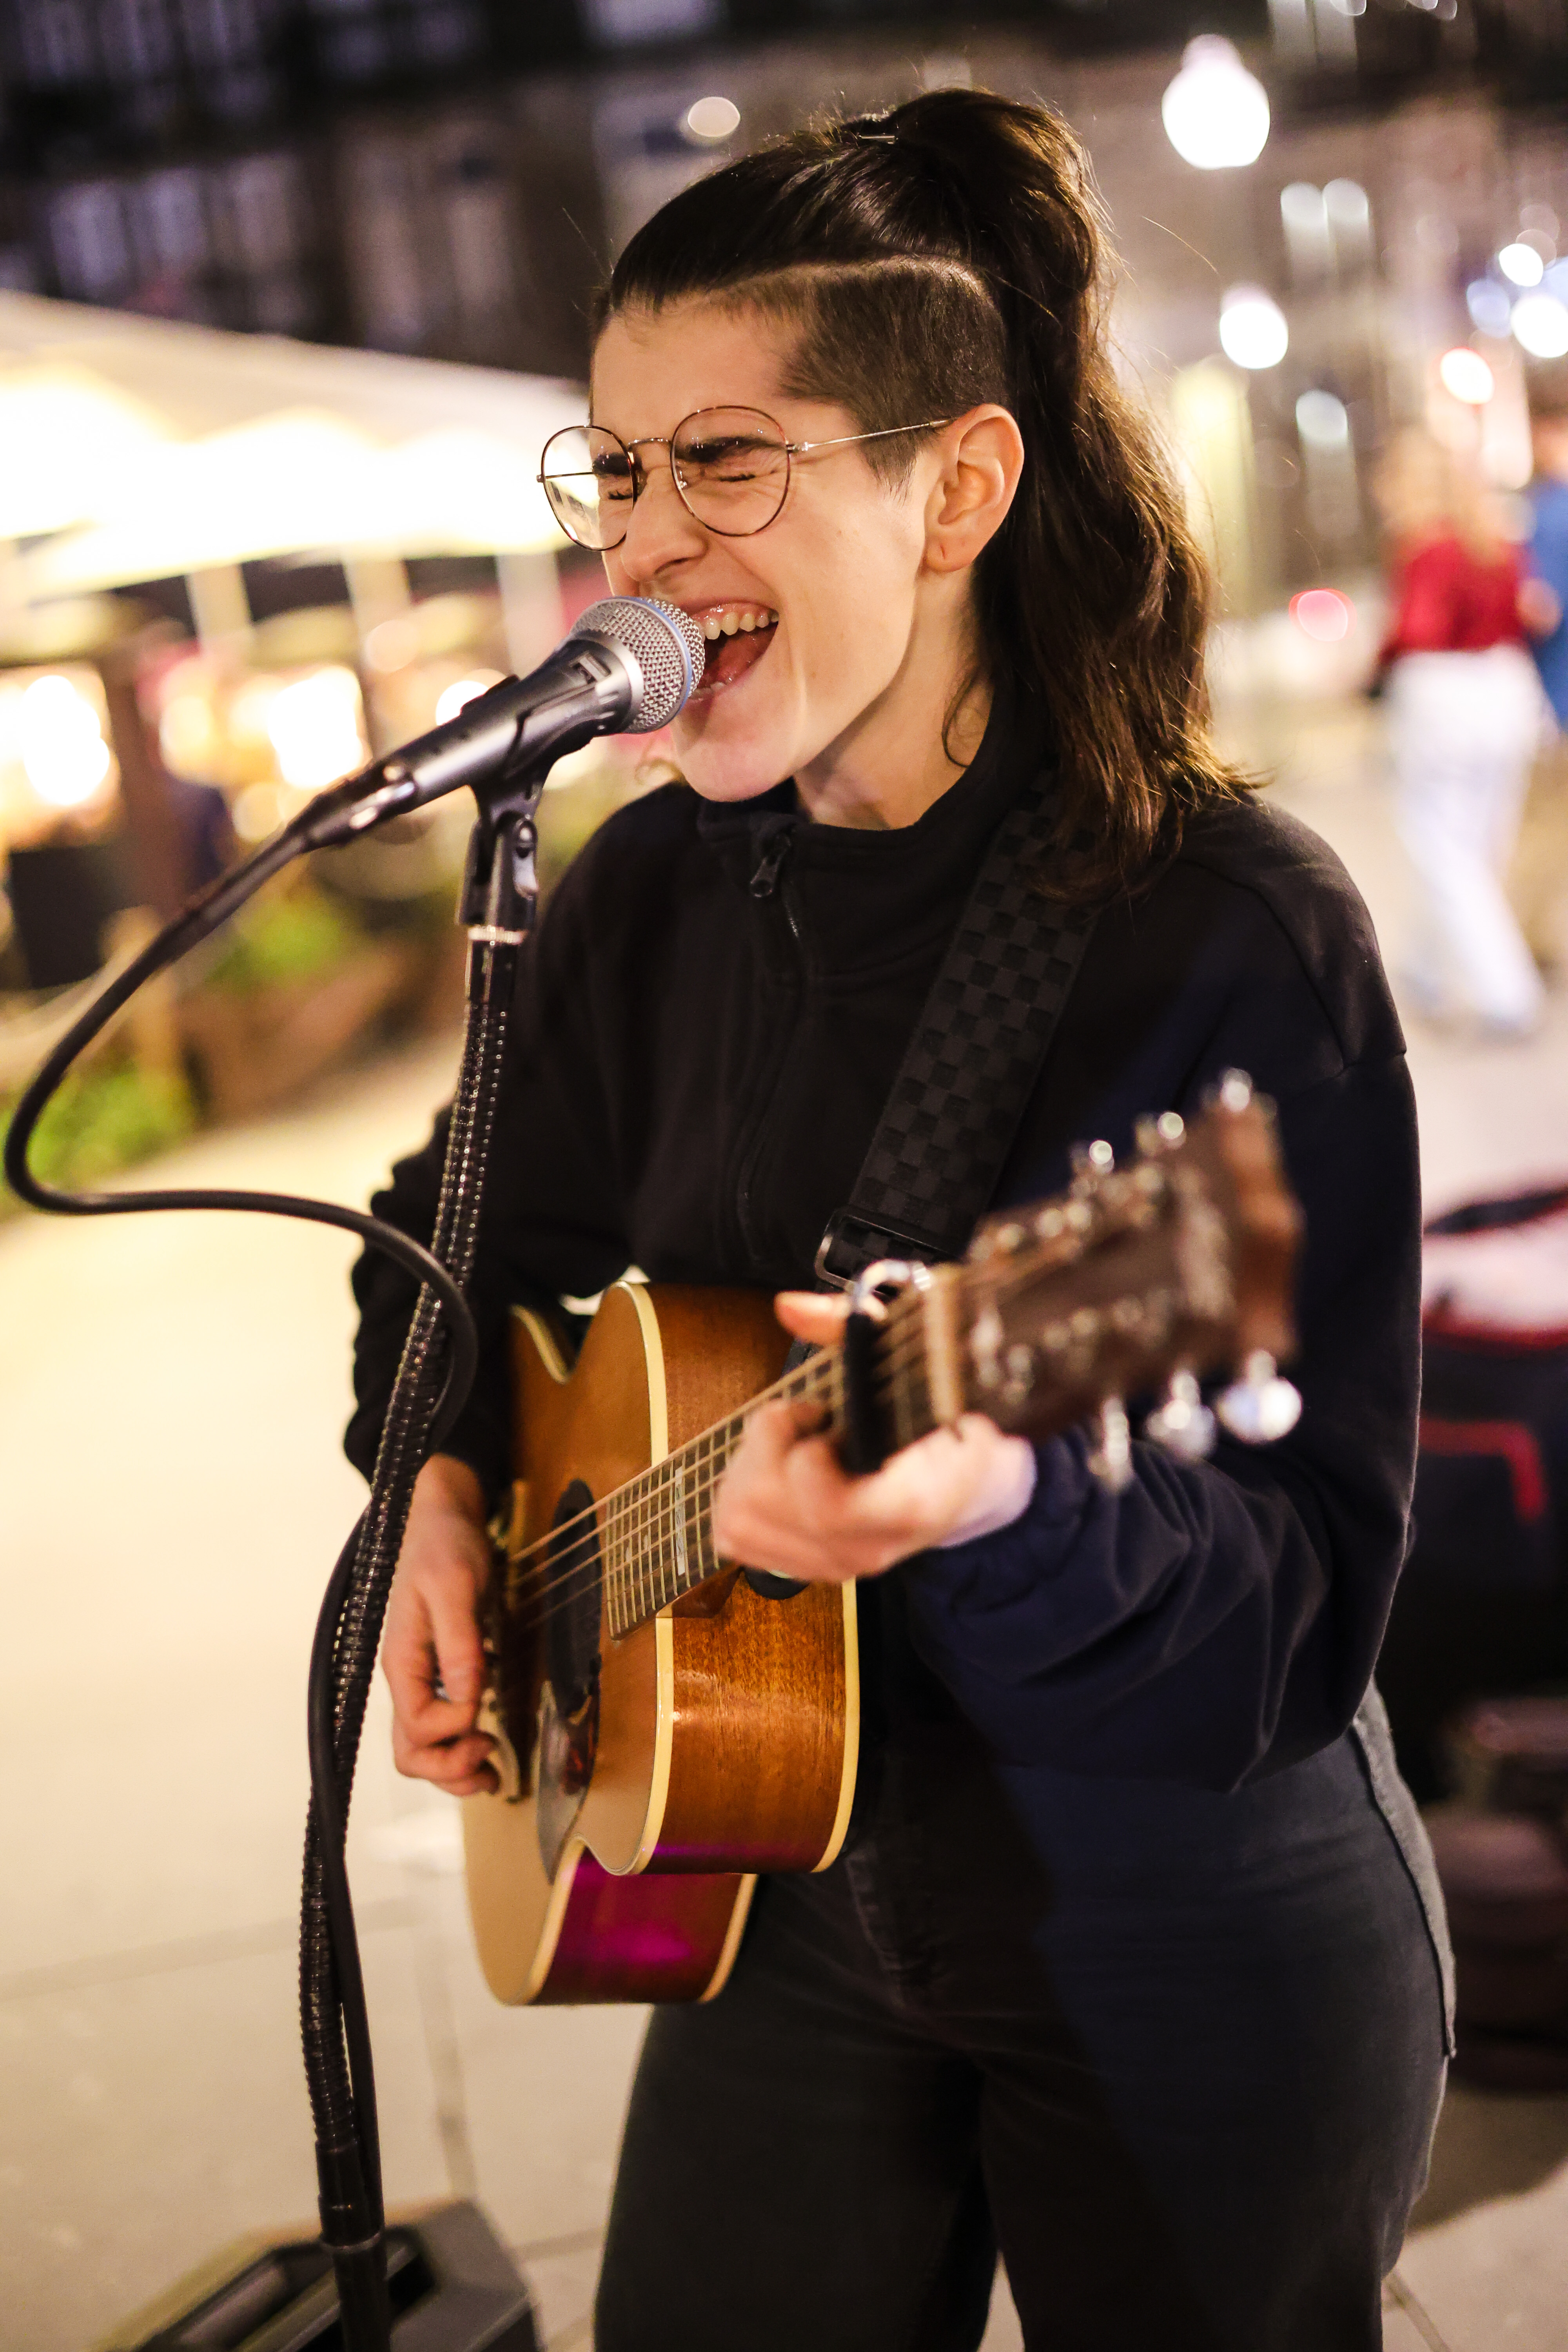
[[707, 1028]]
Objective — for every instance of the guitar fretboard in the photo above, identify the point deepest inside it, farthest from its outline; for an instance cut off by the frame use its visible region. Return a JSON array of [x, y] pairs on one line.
[[656, 1537]]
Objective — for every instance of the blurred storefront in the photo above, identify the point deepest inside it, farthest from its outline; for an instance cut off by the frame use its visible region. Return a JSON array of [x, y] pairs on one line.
[[232, 571]]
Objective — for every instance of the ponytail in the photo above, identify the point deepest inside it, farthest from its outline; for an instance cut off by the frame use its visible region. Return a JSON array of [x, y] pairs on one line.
[[954, 252]]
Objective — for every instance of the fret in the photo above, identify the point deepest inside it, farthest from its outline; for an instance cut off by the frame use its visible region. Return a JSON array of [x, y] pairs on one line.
[[657, 1539]]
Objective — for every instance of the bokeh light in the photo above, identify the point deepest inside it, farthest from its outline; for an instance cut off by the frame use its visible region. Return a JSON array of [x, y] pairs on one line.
[[1465, 375], [712, 120], [1321, 420], [1215, 113], [59, 738], [315, 730], [1522, 264], [1322, 615], [1488, 305], [1252, 328], [1540, 326], [461, 691]]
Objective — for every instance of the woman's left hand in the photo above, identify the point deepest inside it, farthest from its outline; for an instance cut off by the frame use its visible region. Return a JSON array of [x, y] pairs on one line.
[[785, 1504]]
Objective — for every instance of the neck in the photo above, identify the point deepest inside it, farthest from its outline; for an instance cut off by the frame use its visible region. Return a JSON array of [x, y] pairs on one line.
[[654, 1534], [903, 753]]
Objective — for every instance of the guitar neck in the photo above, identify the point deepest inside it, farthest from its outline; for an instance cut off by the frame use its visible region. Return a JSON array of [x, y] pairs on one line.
[[655, 1536]]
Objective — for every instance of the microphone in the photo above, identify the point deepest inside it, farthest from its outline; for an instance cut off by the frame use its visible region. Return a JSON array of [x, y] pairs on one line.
[[626, 667]]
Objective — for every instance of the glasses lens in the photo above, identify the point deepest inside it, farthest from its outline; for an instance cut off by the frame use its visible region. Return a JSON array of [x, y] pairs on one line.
[[589, 482], [733, 467]]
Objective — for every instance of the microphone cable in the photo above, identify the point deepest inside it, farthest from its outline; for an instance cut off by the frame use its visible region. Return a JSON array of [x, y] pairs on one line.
[[628, 661], [440, 1358]]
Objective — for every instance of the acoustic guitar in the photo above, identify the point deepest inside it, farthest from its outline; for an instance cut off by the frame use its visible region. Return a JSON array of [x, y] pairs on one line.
[[667, 1726]]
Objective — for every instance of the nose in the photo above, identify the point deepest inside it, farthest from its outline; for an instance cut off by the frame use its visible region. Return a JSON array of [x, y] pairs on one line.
[[661, 531]]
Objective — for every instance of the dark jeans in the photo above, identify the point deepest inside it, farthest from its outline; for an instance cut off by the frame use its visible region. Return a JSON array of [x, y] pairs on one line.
[[1178, 2055]]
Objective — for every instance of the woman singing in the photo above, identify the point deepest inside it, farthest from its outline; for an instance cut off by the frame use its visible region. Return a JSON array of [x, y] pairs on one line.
[[1133, 1967]]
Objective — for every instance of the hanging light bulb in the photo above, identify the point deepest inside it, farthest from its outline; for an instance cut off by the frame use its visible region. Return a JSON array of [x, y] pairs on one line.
[[1252, 329], [1215, 113]]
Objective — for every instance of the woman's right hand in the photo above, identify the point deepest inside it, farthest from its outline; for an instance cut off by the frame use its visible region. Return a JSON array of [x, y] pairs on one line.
[[432, 1654]]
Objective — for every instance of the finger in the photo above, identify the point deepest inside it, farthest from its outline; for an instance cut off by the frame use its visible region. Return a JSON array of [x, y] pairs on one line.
[[462, 1766], [408, 1662], [433, 1718], [771, 1434], [811, 1314], [453, 1603]]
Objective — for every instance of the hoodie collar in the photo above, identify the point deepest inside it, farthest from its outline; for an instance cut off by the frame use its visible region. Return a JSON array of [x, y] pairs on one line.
[[862, 897]]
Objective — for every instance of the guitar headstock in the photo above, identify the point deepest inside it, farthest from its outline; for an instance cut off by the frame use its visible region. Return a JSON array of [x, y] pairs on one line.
[[1170, 1269]]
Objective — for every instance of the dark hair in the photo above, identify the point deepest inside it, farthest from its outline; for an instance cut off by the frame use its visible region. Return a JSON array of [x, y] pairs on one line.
[[950, 252]]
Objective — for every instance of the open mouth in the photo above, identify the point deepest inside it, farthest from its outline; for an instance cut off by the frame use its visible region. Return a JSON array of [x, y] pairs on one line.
[[738, 637]]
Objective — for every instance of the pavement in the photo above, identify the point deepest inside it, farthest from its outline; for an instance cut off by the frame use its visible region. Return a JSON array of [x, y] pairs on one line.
[[172, 1498]]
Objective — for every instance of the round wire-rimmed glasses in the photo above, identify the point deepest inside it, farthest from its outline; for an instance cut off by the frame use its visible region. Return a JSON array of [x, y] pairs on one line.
[[729, 466]]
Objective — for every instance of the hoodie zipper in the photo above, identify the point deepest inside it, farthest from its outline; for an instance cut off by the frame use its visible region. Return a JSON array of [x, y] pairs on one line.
[[769, 865]]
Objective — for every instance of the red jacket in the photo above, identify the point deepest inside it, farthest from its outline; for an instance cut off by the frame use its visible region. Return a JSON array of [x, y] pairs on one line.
[[1448, 601]]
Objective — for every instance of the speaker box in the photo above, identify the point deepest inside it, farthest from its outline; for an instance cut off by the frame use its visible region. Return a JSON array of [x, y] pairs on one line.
[[452, 2285]]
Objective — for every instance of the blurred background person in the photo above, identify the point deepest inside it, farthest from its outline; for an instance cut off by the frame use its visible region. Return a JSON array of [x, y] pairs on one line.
[[1541, 862], [1465, 716]]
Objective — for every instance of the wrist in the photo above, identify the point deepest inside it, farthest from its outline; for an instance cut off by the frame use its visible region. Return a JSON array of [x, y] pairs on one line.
[[1004, 1496], [453, 1487]]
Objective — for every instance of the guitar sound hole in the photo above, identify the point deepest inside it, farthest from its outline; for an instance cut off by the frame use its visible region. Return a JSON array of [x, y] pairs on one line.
[[573, 1580]]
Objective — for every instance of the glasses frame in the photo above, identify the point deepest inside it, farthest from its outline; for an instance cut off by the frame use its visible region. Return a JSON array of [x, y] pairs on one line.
[[792, 449]]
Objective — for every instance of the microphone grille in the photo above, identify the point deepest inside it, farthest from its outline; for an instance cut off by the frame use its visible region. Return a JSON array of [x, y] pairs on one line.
[[670, 650]]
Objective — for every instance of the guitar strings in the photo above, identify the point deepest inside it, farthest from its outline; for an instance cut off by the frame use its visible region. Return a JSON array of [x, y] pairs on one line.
[[571, 1574], [674, 1503], [673, 1498], [576, 1572], [628, 1500]]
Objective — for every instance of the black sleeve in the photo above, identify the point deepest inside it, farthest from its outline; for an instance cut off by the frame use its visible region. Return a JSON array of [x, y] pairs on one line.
[[551, 1225], [1221, 1618]]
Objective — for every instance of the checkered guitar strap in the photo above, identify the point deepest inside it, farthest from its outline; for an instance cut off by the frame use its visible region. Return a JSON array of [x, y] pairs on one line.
[[971, 1064]]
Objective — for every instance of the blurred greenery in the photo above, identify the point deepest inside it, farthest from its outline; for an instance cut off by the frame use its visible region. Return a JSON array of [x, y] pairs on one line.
[[105, 1116], [289, 935]]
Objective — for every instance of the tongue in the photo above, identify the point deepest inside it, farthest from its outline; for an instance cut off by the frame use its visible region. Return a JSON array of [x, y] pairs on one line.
[[730, 658]]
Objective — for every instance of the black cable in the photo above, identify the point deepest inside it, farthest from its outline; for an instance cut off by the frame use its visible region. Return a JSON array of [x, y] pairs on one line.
[[339, 2065]]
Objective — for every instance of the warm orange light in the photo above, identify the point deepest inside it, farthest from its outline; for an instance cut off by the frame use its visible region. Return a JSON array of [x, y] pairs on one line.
[[1323, 615]]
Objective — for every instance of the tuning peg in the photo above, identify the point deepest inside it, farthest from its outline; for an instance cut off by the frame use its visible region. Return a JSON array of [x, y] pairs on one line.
[[1260, 1406], [1111, 1461], [1182, 1423]]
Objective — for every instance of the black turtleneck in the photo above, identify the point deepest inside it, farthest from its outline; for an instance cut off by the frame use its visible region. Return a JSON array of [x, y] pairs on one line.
[[707, 1028]]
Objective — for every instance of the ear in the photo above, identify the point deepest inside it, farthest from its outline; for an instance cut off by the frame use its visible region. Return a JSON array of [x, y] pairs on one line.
[[982, 458]]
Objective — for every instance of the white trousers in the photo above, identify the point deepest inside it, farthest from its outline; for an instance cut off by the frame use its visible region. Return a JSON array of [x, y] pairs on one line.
[[1462, 730]]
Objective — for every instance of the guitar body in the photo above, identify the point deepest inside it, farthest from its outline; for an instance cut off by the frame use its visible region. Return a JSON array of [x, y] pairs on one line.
[[715, 1740]]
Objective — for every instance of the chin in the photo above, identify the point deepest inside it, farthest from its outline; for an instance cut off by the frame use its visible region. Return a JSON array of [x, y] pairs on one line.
[[730, 761]]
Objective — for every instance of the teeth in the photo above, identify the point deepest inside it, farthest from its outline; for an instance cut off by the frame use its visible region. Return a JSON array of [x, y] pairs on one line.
[[725, 623]]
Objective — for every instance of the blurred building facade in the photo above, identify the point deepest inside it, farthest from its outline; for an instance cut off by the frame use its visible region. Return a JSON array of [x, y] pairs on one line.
[[451, 177]]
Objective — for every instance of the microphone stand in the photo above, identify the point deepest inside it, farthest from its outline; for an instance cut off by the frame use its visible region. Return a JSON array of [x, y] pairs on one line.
[[497, 905]]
